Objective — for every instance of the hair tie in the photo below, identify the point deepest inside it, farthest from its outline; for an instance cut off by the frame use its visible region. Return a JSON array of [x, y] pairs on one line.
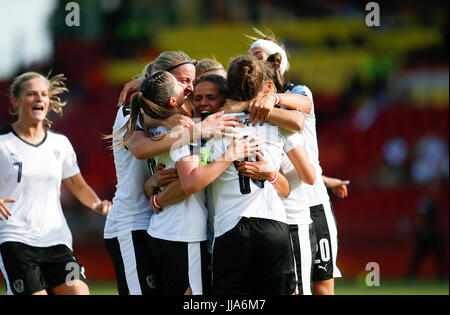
[[182, 64]]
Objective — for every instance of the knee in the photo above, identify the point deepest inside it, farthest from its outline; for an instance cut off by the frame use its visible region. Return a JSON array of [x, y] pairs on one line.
[[74, 287], [323, 288]]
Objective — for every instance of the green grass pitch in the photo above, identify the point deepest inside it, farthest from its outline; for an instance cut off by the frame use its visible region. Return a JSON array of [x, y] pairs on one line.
[[342, 287]]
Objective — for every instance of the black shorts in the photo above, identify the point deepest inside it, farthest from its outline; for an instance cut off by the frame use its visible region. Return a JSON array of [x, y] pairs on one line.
[[255, 257], [133, 263], [326, 232], [28, 269], [179, 265]]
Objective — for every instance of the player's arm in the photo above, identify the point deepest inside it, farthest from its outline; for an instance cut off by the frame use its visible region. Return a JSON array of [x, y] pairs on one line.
[[262, 170], [263, 109], [86, 195], [295, 101], [173, 193], [143, 147], [232, 106], [305, 170], [168, 123], [129, 87], [338, 186], [4, 210], [194, 177], [290, 120]]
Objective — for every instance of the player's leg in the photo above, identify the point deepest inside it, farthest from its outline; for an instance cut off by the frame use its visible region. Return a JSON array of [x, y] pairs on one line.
[[323, 287], [73, 287], [42, 292]]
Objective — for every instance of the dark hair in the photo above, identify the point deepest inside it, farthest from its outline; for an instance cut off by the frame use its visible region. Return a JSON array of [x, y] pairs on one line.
[[272, 70], [245, 78], [214, 78], [152, 99]]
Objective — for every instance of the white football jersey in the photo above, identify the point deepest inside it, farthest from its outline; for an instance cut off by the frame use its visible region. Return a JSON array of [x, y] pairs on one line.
[[32, 175], [234, 196], [297, 203], [317, 193], [131, 208], [185, 221]]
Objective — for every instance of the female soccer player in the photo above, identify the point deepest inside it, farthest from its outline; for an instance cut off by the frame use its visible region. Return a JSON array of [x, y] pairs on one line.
[[126, 226], [252, 249], [302, 230], [35, 242], [325, 268], [177, 232]]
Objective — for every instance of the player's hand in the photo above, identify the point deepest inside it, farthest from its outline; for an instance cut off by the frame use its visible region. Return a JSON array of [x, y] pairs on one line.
[[102, 207], [260, 170], [128, 88], [242, 148], [177, 120], [340, 191], [338, 186], [4, 210], [160, 178], [261, 109], [216, 125]]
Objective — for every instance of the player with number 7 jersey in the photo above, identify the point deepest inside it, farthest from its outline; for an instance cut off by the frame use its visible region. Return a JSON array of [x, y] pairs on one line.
[[34, 160]]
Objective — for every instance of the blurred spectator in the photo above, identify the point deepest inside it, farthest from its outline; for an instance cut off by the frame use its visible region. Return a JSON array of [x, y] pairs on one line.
[[394, 167], [428, 237], [395, 151], [430, 160]]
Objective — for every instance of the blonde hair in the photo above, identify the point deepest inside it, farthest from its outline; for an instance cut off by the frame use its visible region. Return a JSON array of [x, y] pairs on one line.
[[56, 87], [164, 62], [271, 37], [207, 65]]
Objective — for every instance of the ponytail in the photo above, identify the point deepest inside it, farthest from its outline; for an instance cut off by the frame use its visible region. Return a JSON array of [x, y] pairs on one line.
[[152, 100], [272, 69], [245, 78]]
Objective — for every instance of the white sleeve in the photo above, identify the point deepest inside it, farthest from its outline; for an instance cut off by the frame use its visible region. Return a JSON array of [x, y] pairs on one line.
[[305, 91], [217, 147], [292, 140], [181, 152], [70, 165]]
